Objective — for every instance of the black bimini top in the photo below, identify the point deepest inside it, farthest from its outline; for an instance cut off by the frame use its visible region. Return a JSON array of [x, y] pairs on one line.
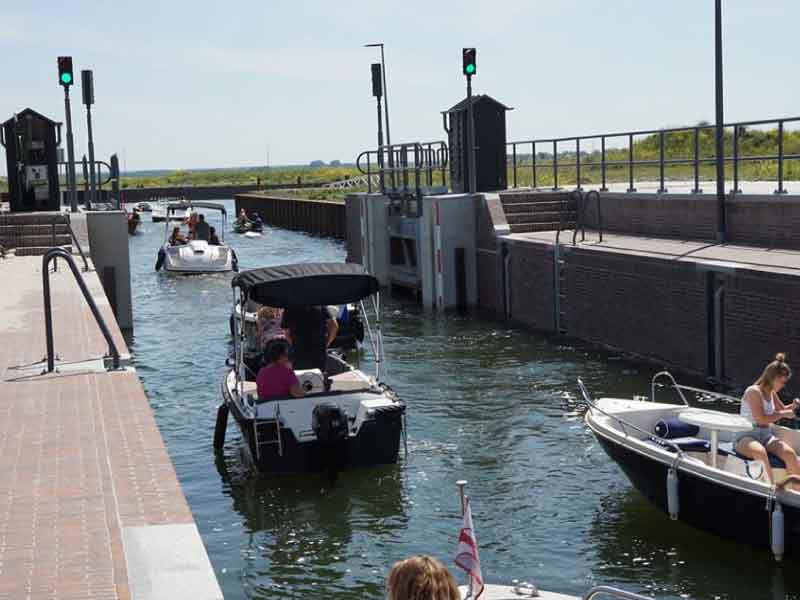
[[306, 284], [174, 206]]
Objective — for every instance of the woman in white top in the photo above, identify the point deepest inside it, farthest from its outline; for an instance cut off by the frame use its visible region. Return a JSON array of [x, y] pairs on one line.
[[762, 406]]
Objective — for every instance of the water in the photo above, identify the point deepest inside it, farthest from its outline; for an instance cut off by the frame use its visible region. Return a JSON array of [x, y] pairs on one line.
[[487, 402]]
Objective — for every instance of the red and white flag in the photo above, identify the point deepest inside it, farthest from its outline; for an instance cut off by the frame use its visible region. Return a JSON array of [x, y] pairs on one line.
[[467, 553]]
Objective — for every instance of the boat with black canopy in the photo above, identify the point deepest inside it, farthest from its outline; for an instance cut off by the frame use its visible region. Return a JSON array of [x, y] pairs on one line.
[[681, 458], [347, 418]]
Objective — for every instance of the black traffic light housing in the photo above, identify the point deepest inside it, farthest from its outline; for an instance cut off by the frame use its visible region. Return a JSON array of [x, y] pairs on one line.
[[87, 87], [65, 76], [468, 61], [377, 80]]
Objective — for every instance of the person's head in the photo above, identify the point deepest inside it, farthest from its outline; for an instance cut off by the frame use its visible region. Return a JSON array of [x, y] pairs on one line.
[[775, 374], [278, 354], [212, 231], [202, 218], [243, 212], [421, 578], [176, 231], [268, 312]]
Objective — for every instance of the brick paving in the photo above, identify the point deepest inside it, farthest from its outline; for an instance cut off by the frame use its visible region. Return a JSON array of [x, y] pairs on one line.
[[81, 457]]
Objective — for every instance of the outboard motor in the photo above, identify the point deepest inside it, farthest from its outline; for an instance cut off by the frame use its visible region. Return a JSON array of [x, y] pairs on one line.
[[329, 423]]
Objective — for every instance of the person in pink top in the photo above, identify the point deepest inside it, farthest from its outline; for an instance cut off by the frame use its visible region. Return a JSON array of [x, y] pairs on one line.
[[277, 379]]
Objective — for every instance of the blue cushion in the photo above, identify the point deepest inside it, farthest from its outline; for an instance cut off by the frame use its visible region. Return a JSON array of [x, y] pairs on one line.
[[687, 444], [673, 427]]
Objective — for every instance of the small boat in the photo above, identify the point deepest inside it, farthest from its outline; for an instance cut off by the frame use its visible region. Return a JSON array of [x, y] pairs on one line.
[[346, 419], [159, 213], [249, 227], [133, 221], [196, 256], [143, 207], [252, 234], [681, 458]]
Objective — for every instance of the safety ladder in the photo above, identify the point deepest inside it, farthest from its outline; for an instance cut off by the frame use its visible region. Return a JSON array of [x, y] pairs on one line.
[[276, 421]]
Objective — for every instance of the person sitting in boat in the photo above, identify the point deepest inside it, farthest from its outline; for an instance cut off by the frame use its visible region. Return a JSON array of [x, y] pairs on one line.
[[243, 221], [191, 221], [268, 327], [421, 578], [762, 406], [255, 219], [277, 379], [201, 229], [176, 238], [310, 330], [213, 238]]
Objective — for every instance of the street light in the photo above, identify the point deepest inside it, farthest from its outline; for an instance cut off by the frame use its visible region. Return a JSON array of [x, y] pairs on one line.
[[721, 225]]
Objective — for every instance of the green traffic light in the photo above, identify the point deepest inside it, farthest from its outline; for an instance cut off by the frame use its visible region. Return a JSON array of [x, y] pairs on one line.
[[66, 78], [470, 69]]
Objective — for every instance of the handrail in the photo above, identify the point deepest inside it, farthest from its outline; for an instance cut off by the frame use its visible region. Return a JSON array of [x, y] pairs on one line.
[[669, 376], [427, 157], [591, 403], [614, 593], [77, 244], [695, 160], [48, 312]]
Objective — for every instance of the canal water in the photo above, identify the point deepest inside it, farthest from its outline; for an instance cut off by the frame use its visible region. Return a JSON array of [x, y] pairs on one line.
[[487, 402]]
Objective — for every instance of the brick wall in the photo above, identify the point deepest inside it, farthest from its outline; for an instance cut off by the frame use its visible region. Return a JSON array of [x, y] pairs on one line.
[[651, 307], [753, 220], [761, 318], [491, 222], [531, 281]]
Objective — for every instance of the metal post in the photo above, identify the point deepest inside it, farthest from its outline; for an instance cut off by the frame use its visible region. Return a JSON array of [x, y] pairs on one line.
[[697, 189], [92, 197], [473, 179], [603, 187], [380, 144], [115, 179], [781, 189], [630, 163], [661, 188], [514, 153], [721, 225], [555, 166], [73, 196], [578, 164], [736, 189], [533, 163], [85, 165]]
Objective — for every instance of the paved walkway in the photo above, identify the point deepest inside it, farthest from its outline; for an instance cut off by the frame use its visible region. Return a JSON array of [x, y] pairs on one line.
[[728, 256], [90, 506]]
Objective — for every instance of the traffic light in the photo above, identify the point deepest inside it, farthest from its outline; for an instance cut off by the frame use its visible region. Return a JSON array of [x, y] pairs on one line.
[[65, 77], [377, 82], [468, 56]]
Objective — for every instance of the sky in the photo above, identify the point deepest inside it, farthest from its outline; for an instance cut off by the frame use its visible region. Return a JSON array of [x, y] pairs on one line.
[[215, 84]]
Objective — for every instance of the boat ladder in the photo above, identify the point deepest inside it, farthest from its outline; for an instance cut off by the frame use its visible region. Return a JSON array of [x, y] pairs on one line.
[[276, 420]]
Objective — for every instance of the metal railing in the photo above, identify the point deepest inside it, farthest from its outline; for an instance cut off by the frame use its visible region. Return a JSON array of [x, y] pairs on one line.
[[77, 244], [580, 217], [612, 592], [581, 161], [52, 254], [398, 164]]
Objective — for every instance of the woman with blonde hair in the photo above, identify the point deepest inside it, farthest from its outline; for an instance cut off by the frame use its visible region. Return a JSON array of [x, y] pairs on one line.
[[421, 578], [762, 406], [268, 326]]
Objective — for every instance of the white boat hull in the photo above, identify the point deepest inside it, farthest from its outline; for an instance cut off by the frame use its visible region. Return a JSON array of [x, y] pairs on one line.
[[198, 257]]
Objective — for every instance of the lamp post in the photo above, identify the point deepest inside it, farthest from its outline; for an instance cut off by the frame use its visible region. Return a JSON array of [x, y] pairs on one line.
[[385, 108], [721, 225]]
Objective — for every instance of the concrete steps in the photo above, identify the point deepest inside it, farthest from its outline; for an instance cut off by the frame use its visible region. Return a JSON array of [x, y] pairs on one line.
[[32, 234], [531, 211]]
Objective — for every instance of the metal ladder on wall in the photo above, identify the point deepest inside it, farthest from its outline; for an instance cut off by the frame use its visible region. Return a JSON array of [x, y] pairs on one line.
[[276, 421]]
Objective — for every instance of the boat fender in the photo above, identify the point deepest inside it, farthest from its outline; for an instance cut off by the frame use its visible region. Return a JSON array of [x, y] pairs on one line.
[[777, 539], [221, 426], [672, 493], [329, 423], [234, 261], [162, 256]]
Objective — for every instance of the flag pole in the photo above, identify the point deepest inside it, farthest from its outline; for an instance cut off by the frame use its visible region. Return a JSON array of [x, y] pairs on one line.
[[461, 483]]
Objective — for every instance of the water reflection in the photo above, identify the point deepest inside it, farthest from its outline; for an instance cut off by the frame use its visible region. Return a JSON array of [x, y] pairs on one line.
[[304, 536], [637, 543]]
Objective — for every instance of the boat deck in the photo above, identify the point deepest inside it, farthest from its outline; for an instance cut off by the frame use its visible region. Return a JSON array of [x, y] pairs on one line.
[[90, 505]]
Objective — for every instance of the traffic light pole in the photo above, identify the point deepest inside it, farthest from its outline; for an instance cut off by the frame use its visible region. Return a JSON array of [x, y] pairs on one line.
[[721, 225], [73, 195], [380, 143], [92, 179], [471, 139]]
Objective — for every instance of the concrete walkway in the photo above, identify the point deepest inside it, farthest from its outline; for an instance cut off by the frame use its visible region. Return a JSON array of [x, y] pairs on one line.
[[90, 506], [728, 256]]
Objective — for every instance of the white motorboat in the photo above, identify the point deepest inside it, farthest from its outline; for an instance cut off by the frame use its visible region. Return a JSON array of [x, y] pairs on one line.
[[682, 459], [346, 419], [197, 255], [159, 212]]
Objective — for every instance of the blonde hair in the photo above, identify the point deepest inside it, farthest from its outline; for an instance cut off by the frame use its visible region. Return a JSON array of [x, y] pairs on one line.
[[421, 578], [268, 312], [777, 368]]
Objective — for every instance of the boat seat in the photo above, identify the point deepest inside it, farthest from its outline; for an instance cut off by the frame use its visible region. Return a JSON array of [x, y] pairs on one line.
[[776, 462]]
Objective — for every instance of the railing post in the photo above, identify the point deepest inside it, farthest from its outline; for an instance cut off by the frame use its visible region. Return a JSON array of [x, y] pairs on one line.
[[697, 189], [369, 175], [781, 189], [514, 162], [630, 164], [661, 188], [736, 189], [578, 164], [603, 187], [555, 165], [48, 315], [533, 163]]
